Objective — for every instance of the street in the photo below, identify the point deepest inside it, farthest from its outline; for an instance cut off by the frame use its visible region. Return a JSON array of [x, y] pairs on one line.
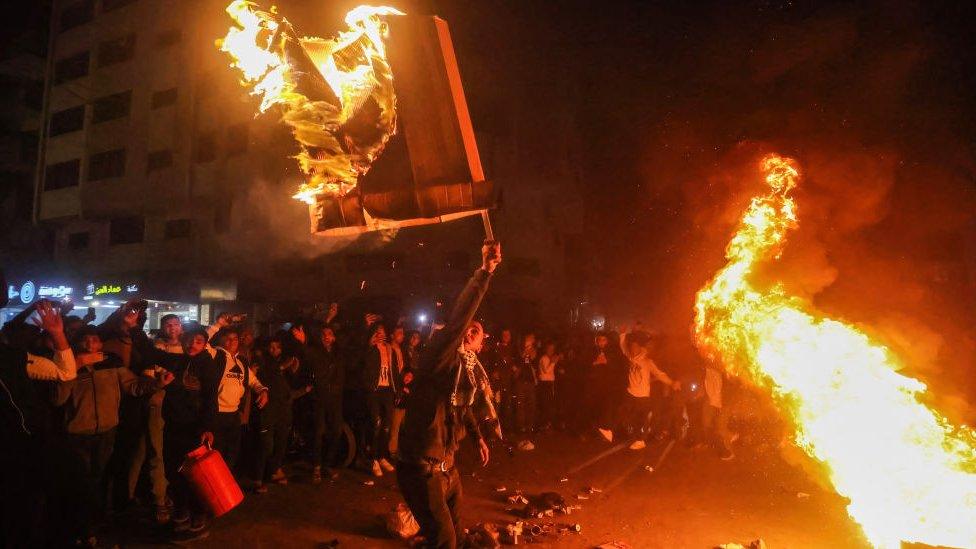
[[693, 500]]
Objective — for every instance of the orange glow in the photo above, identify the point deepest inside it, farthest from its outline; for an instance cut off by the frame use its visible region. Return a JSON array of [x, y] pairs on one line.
[[909, 474], [340, 129]]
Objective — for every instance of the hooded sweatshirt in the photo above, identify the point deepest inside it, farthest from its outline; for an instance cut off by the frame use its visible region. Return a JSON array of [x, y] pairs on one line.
[[91, 400]]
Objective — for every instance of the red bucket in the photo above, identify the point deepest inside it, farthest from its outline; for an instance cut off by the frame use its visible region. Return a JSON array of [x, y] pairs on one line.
[[212, 481]]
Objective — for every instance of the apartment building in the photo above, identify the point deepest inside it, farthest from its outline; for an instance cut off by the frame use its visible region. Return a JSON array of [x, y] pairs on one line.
[[156, 175]]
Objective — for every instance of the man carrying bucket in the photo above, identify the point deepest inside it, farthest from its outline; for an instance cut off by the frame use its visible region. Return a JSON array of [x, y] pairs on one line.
[[439, 413]]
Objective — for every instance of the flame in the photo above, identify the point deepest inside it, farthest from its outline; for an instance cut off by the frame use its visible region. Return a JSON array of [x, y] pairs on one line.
[[335, 94], [908, 473]]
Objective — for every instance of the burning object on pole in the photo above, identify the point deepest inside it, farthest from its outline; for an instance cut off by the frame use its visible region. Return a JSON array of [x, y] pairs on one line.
[[378, 112]]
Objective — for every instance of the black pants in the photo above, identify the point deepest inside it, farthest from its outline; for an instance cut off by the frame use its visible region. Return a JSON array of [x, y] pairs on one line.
[[328, 422], [546, 395], [381, 417], [633, 415], [90, 455], [525, 406], [435, 501], [227, 437], [274, 434], [179, 439]]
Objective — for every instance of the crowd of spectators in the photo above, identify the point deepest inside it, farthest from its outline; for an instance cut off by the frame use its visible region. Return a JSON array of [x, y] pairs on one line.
[[100, 418]]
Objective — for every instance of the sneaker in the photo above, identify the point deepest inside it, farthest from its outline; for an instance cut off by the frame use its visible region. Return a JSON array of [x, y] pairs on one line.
[[189, 536], [316, 475], [387, 466], [260, 488], [377, 471], [180, 521], [638, 445], [198, 523], [163, 514], [607, 434]]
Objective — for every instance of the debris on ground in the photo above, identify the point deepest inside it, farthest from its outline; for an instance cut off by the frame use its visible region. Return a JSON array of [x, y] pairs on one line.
[[758, 544], [483, 536], [592, 490], [582, 496], [512, 533], [526, 446], [614, 545], [564, 479], [802, 495], [648, 468], [401, 523], [501, 489], [518, 499]]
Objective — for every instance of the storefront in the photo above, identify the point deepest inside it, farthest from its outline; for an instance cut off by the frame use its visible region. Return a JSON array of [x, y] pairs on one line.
[[103, 296]]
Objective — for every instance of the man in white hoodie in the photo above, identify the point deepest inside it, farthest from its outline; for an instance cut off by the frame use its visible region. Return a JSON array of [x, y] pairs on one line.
[[235, 380], [642, 372]]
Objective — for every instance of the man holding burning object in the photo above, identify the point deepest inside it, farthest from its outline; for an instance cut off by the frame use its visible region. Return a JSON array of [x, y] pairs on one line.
[[439, 414]]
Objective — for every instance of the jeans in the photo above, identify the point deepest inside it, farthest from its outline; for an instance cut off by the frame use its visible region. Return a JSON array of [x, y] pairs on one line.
[[381, 417], [149, 449], [91, 454], [398, 415], [435, 501], [633, 415], [327, 421]]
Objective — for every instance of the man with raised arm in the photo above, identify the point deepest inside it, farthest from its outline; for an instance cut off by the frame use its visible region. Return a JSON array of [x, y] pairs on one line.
[[449, 380]]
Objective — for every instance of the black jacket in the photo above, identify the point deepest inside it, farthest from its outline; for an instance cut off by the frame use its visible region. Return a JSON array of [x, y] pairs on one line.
[[325, 367], [191, 398], [432, 428], [371, 370]]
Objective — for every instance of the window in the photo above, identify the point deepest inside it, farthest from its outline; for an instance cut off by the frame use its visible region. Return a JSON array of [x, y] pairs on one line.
[[179, 228], [62, 174], [115, 51], [169, 38], [157, 160], [163, 98], [237, 137], [70, 68], [77, 14], [111, 107], [105, 165], [126, 230], [68, 120], [78, 241], [205, 148], [109, 5]]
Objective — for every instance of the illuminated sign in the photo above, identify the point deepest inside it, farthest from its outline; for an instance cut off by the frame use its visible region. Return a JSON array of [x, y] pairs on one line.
[[28, 291], [110, 289]]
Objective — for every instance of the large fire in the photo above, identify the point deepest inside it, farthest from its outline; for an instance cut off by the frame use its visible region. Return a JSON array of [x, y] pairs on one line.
[[335, 94], [909, 474]]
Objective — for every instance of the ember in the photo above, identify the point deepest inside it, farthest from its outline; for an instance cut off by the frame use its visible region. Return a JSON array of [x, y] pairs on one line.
[[909, 474]]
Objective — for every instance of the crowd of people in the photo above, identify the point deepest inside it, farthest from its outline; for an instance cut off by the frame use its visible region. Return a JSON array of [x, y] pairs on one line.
[[101, 417]]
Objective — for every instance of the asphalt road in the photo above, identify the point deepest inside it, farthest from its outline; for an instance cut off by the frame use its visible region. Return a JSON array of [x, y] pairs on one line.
[[691, 500]]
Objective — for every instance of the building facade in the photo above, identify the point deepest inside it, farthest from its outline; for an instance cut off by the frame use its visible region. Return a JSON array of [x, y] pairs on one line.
[[155, 172]]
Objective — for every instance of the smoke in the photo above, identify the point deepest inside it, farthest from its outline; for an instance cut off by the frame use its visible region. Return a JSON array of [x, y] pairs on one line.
[[866, 98]]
